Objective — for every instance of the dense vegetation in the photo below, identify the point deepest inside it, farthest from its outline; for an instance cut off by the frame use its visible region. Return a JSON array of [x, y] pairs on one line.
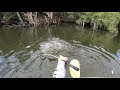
[[98, 20]]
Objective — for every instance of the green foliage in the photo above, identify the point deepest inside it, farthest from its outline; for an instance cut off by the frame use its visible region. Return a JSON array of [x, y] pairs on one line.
[[70, 16], [9, 18], [102, 19]]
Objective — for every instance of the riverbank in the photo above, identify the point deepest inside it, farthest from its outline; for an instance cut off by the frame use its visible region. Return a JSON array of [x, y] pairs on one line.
[[107, 21]]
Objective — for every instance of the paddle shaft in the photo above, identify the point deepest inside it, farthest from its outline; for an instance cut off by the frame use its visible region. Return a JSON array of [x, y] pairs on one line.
[[74, 67]]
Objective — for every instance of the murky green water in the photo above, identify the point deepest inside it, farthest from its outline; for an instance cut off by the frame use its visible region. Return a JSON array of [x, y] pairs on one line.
[[22, 51]]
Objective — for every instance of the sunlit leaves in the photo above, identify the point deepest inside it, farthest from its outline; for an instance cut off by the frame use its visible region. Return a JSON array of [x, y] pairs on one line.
[[107, 19]]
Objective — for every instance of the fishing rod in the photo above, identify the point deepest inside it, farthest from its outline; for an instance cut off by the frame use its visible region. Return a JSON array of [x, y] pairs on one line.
[[74, 67]]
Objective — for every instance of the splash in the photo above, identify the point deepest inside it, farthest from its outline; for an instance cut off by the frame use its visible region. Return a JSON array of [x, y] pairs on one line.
[[54, 45]]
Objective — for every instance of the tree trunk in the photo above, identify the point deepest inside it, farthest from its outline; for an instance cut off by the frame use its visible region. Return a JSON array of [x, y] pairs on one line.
[[20, 19], [94, 26], [35, 19], [49, 17], [83, 24], [30, 18], [46, 19]]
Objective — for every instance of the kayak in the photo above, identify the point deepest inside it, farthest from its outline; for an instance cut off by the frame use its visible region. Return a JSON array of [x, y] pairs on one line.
[[73, 72]]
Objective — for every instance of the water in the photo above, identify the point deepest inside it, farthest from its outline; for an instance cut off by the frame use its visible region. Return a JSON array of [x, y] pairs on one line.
[[23, 51]]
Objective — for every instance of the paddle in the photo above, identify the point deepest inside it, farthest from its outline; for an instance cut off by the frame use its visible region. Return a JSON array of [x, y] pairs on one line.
[[74, 67], [74, 73]]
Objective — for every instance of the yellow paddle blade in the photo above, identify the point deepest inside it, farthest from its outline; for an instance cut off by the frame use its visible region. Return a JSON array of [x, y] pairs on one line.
[[73, 72]]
